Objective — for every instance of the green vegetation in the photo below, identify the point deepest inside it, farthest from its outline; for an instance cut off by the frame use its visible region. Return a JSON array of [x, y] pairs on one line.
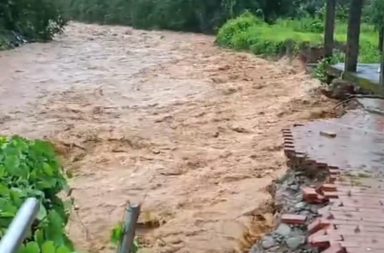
[[320, 72], [31, 20], [247, 32], [117, 237], [183, 15], [31, 169]]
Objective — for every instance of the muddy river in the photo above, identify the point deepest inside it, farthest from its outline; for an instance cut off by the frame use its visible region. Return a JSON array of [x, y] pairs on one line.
[[167, 119]]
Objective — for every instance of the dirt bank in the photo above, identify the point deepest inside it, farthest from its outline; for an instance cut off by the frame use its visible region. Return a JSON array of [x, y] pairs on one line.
[[165, 118]]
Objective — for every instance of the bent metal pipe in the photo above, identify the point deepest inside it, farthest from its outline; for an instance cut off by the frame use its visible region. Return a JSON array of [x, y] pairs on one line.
[[17, 231]]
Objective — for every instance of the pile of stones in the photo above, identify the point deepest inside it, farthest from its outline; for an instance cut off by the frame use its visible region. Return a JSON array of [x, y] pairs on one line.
[[288, 236]]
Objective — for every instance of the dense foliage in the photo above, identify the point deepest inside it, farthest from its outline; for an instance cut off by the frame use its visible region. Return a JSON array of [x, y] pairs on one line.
[[30, 169], [185, 15], [376, 11], [248, 32], [32, 20]]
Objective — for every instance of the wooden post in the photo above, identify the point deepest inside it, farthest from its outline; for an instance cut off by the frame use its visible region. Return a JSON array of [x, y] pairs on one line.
[[353, 36], [382, 57], [329, 28]]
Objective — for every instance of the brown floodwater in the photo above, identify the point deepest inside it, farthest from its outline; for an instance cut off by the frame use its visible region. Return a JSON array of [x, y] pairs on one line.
[[167, 119]]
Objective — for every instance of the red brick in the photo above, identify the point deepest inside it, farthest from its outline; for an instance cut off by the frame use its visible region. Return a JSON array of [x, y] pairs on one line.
[[318, 224], [333, 178], [290, 153], [293, 219], [321, 199], [329, 187], [321, 242], [324, 241], [322, 165], [289, 145], [333, 171], [336, 248], [331, 195], [321, 232], [309, 193]]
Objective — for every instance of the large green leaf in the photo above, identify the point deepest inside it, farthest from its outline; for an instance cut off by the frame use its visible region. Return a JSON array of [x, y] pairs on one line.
[[12, 165], [42, 214], [39, 236], [117, 234], [54, 229], [63, 249], [31, 247], [48, 247]]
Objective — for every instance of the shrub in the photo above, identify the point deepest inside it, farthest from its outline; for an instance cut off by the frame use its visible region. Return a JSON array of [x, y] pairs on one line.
[[236, 31], [35, 20], [247, 32], [320, 71], [30, 169], [250, 33]]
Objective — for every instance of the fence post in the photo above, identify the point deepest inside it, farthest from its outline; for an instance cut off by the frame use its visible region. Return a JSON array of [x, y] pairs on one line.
[[131, 218]]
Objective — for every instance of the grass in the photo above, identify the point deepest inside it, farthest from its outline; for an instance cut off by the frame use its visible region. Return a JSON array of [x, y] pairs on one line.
[[290, 36]]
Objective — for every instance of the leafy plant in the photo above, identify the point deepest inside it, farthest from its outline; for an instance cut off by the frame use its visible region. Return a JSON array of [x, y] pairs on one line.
[[117, 237], [30, 169], [320, 71]]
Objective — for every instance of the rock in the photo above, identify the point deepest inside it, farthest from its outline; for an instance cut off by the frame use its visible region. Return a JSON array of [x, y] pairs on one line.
[[256, 249], [268, 242], [279, 239], [305, 212], [328, 134], [314, 209], [294, 187], [300, 206], [295, 242], [283, 230]]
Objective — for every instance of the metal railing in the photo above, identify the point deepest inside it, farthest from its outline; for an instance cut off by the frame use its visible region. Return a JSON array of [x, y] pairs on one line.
[[15, 235]]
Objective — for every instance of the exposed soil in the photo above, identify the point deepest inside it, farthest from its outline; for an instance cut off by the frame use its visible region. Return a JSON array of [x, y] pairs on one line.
[[191, 130]]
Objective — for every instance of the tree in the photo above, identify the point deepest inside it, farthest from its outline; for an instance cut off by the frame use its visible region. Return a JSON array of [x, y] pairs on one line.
[[353, 36], [376, 11], [329, 27]]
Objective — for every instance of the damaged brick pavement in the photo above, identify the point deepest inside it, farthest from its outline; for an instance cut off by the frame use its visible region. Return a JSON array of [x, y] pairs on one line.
[[349, 151]]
